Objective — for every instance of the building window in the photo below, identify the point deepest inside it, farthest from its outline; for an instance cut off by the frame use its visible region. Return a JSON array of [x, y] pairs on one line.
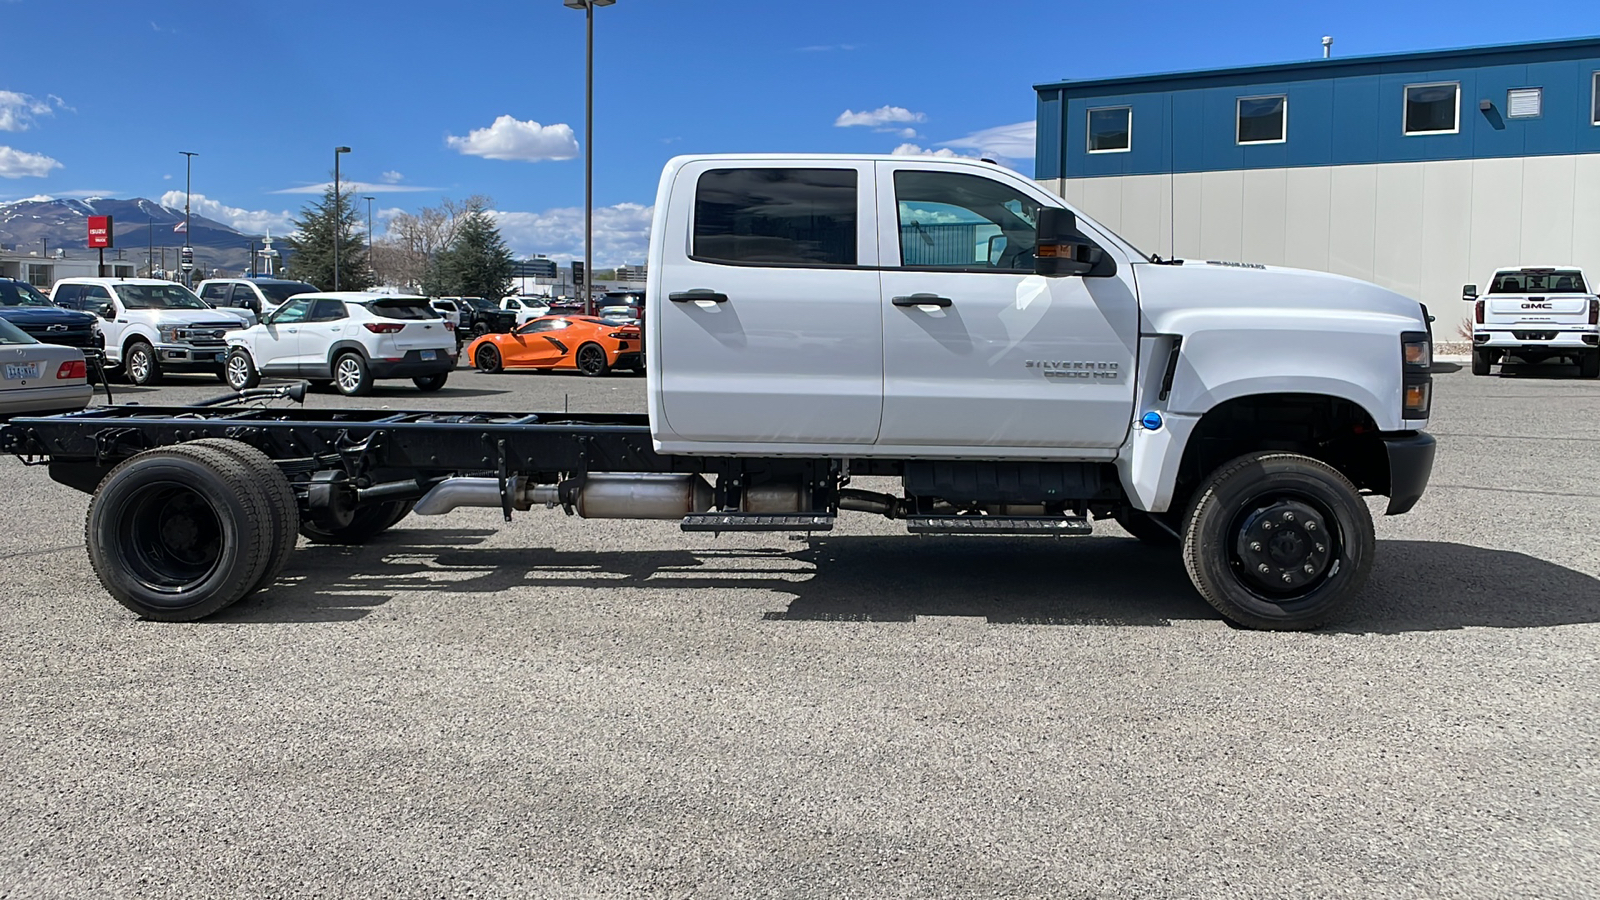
[[1263, 120], [1111, 130], [1525, 103], [1594, 96], [785, 217], [40, 276], [1433, 108]]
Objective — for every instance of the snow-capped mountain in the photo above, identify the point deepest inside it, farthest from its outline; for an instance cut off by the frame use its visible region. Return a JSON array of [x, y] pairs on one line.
[[138, 224]]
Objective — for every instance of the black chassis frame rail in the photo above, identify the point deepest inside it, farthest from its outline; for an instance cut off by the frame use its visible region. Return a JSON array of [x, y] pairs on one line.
[[373, 447]]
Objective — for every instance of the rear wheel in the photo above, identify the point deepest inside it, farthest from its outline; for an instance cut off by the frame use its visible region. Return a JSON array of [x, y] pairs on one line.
[[430, 383], [1481, 360], [592, 360], [487, 359], [240, 371], [1589, 364], [365, 524], [351, 375], [1278, 541], [139, 363], [284, 508], [178, 533]]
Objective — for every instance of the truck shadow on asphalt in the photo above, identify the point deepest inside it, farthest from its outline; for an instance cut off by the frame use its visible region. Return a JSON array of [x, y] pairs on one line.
[[1417, 585]]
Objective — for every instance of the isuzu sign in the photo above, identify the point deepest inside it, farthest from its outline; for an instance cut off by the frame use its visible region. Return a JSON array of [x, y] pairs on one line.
[[99, 232]]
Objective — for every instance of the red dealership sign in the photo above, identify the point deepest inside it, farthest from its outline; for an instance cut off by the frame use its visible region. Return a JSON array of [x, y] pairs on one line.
[[99, 232]]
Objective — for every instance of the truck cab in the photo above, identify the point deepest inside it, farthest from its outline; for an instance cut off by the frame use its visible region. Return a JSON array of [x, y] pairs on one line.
[[1535, 313]]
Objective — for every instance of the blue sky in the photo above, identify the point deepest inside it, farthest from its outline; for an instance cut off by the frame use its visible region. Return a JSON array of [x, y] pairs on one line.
[[97, 97]]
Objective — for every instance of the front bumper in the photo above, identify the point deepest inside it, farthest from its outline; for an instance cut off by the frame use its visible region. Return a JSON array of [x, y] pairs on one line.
[[1410, 465], [413, 365], [1534, 337], [187, 356]]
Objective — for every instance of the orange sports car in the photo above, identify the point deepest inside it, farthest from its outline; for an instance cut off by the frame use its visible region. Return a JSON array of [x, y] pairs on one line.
[[589, 345]]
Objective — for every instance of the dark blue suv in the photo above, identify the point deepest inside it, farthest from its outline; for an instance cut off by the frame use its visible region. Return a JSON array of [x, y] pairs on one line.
[[22, 305]]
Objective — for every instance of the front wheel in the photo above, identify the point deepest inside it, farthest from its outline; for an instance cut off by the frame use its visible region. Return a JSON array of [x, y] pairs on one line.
[[139, 362], [592, 360], [487, 359], [1278, 541], [351, 375], [240, 371], [430, 383]]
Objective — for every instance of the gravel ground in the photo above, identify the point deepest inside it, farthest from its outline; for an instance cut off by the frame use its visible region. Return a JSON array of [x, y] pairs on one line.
[[574, 710]]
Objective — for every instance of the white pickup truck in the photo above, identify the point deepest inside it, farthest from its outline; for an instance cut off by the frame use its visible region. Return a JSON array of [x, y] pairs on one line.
[[153, 327], [1536, 313], [1014, 369]]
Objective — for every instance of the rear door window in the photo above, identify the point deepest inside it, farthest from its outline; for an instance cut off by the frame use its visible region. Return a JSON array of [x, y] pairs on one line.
[[328, 311], [776, 217], [215, 294]]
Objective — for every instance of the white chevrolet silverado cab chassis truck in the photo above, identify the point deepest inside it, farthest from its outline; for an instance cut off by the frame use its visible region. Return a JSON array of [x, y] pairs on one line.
[[1016, 367]]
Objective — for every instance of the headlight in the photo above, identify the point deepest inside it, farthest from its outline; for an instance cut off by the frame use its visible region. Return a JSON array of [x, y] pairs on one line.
[[169, 334], [1418, 353], [1416, 374]]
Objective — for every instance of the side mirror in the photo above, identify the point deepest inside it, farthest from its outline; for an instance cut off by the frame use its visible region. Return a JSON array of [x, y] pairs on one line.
[[107, 311], [997, 248], [1469, 292], [1062, 250]]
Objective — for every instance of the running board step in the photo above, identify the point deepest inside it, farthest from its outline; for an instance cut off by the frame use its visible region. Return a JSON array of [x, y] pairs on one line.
[[998, 525], [756, 522]]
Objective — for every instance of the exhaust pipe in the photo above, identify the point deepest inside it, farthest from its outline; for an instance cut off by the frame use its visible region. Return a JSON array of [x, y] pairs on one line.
[[453, 493]]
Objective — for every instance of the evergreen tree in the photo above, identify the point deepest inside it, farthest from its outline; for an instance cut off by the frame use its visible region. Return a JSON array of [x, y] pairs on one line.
[[312, 247], [476, 264]]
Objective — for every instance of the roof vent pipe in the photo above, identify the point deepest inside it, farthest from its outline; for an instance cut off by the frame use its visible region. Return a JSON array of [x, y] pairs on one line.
[[1327, 46]]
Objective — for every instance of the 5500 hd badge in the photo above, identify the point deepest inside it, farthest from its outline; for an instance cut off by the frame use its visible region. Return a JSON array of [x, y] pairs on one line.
[[1055, 368]]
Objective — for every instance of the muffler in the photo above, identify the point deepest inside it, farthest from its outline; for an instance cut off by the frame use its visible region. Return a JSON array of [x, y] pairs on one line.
[[637, 495]]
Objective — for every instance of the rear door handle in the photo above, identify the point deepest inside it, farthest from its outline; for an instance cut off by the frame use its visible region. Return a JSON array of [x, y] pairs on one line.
[[923, 300], [698, 294]]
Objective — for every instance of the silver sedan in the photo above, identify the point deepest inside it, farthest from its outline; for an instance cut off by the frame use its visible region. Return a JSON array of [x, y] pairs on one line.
[[39, 378]]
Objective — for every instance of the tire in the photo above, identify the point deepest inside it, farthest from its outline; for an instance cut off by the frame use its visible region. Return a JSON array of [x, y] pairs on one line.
[[430, 383], [487, 359], [480, 329], [1589, 365], [1268, 511], [285, 508], [1481, 360], [179, 533], [367, 523], [239, 371], [591, 360], [140, 366], [351, 375], [1143, 526]]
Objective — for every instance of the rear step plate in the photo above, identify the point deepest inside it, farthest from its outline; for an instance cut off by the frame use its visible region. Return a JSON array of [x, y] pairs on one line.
[[997, 525], [756, 522]]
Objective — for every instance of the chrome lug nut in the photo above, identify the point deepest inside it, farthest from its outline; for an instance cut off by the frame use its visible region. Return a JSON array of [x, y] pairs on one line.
[[1321, 549], [1256, 546], [1311, 526], [1287, 578], [1288, 517], [1266, 526], [1310, 569], [1263, 569]]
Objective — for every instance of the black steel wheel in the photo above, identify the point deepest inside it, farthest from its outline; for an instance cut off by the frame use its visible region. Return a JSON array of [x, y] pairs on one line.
[[140, 365], [284, 508], [591, 360], [178, 533], [240, 371], [430, 383], [487, 359], [365, 524], [1278, 541]]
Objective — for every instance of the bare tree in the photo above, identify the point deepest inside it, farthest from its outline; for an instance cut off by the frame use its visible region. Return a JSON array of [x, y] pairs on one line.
[[408, 247]]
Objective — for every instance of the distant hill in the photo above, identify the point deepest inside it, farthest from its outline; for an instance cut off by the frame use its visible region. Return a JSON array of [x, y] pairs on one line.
[[137, 223]]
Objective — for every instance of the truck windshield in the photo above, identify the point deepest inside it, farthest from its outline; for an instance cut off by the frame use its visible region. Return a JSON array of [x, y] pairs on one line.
[[1539, 281], [158, 296], [278, 293], [21, 293]]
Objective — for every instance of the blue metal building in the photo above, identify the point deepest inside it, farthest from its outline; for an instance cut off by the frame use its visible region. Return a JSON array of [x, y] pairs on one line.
[[1420, 171]]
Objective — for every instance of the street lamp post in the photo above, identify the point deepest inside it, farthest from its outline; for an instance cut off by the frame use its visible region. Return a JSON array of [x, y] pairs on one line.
[[188, 168], [369, 230], [338, 214], [588, 7]]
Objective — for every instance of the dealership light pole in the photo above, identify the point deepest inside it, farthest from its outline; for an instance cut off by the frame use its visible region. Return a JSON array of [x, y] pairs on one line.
[[188, 181], [338, 215], [369, 230], [588, 149]]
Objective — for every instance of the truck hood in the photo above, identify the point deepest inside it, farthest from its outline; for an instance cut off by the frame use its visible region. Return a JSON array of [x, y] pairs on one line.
[[45, 315], [1170, 294], [211, 318]]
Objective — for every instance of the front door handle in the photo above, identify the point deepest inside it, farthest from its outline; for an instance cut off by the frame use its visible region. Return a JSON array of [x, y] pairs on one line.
[[698, 294], [923, 300]]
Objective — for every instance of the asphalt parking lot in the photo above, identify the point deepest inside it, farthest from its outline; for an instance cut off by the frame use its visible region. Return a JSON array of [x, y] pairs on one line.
[[613, 709]]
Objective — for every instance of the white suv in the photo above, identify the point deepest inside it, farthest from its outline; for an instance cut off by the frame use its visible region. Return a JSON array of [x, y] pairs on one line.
[[350, 339], [152, 327], [259, 295], [1536, 313]]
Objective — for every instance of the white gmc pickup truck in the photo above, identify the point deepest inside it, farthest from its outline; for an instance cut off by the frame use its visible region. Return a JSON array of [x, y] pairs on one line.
[[1013, 367], [1536, 313]]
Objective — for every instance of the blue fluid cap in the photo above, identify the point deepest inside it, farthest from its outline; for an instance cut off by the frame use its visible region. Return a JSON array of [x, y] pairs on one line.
[[1151, 421]]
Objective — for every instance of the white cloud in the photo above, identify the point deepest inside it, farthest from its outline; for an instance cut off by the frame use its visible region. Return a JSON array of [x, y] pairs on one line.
[[358, 187], [20, 164], [250, 221], [914, 150], [166, 178], [391, 177], [36, 198], [877, 118], [510, 138], [1001, 142], [621, 233], [17, 111]]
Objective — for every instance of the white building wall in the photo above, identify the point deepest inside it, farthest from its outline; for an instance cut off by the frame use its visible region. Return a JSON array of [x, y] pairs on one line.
[[1422, 229]]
